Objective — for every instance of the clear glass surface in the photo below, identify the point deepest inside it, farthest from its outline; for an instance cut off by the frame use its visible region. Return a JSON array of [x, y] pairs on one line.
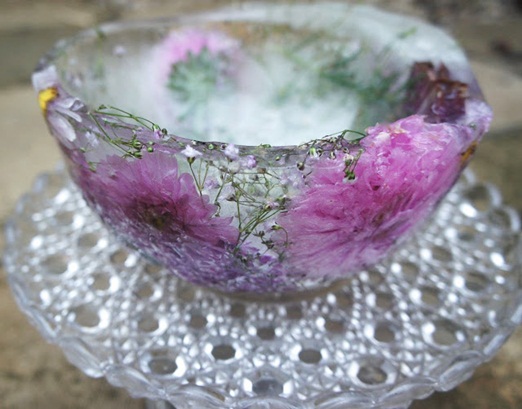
[[420, 321]]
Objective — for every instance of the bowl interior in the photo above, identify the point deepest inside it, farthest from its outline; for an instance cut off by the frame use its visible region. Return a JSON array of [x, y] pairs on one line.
[[279, 75]]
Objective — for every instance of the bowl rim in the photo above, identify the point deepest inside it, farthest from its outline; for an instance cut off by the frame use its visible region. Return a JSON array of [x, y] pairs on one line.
[[332, 142]]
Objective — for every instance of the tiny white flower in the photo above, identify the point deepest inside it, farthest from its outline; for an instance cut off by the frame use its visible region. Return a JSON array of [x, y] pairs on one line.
[[119, 50], [396, 129], [158, 134], [92, 138], [190, 152], [62, 128], [348, 157], [231, 152], [211, 184], [249, 161], [270, 204], [382, 137]]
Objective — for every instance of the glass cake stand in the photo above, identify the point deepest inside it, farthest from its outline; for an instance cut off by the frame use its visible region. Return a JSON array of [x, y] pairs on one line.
[[419, 322]]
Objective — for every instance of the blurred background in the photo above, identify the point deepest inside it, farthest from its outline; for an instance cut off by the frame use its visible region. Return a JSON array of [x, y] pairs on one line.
[[34, 374]]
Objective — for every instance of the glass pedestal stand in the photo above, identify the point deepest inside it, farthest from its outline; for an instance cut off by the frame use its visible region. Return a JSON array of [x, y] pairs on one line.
[[418, 322]]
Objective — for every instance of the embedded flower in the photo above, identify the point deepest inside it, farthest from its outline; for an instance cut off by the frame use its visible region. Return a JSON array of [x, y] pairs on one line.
[[192, 41], [228, 192], [180, 45], [292, 180], [187, 67], [157, 134], [249, 162], [333, 228], [247, 270], [59, 108], [211, 183], [160, 213], [190, 152], [231, 152], [45, 79], [79, 168], [45, 97], [92, 139], [271, 205], [119, 50], [149, 201], [435, 94]]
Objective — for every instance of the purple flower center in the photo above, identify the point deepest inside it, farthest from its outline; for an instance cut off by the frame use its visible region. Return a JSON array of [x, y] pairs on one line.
[[156, 215], [435, 94]]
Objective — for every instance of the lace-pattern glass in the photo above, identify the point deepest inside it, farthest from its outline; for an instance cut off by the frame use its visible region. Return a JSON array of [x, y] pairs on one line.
[[420, 321]]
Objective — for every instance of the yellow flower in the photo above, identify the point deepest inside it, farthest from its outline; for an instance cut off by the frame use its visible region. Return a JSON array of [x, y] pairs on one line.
[[46, 96], [468, 153]]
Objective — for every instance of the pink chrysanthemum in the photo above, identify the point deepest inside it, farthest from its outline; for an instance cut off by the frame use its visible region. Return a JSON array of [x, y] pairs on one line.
[[337, 226], [147, 199], [171, 68], [180, 45], [161, 212]]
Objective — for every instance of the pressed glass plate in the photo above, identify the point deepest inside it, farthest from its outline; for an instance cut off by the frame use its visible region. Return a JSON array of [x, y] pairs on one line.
[[420, 321]]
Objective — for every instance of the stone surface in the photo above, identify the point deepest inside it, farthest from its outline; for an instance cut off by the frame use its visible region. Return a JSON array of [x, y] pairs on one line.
[[34, 374]]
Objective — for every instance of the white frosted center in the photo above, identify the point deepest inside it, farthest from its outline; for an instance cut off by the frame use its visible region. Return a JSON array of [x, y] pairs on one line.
[[276, 99]]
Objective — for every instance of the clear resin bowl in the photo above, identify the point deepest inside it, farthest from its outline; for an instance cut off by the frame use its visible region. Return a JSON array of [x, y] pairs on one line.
[[264, 148]]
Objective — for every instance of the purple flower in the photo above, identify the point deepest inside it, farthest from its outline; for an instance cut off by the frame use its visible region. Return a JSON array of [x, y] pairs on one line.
[[77, 164], [58, 107], [435, 94], [244, 270], [178, 46], [211, 184], [148, 200], [336, 226], [157, 134], [158, 211], [231, 152], [249, 161]]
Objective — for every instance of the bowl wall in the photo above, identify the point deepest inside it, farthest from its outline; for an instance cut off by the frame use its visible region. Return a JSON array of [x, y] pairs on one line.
[[266, 148]]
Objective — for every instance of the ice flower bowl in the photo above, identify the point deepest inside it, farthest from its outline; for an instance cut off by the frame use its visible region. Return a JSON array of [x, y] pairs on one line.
[[264, 148]]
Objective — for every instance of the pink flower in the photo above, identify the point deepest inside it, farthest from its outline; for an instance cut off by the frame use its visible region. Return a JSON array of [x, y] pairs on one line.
[[160, 212], [178, 46], [220, 56], [337, 226], [149, 201]]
